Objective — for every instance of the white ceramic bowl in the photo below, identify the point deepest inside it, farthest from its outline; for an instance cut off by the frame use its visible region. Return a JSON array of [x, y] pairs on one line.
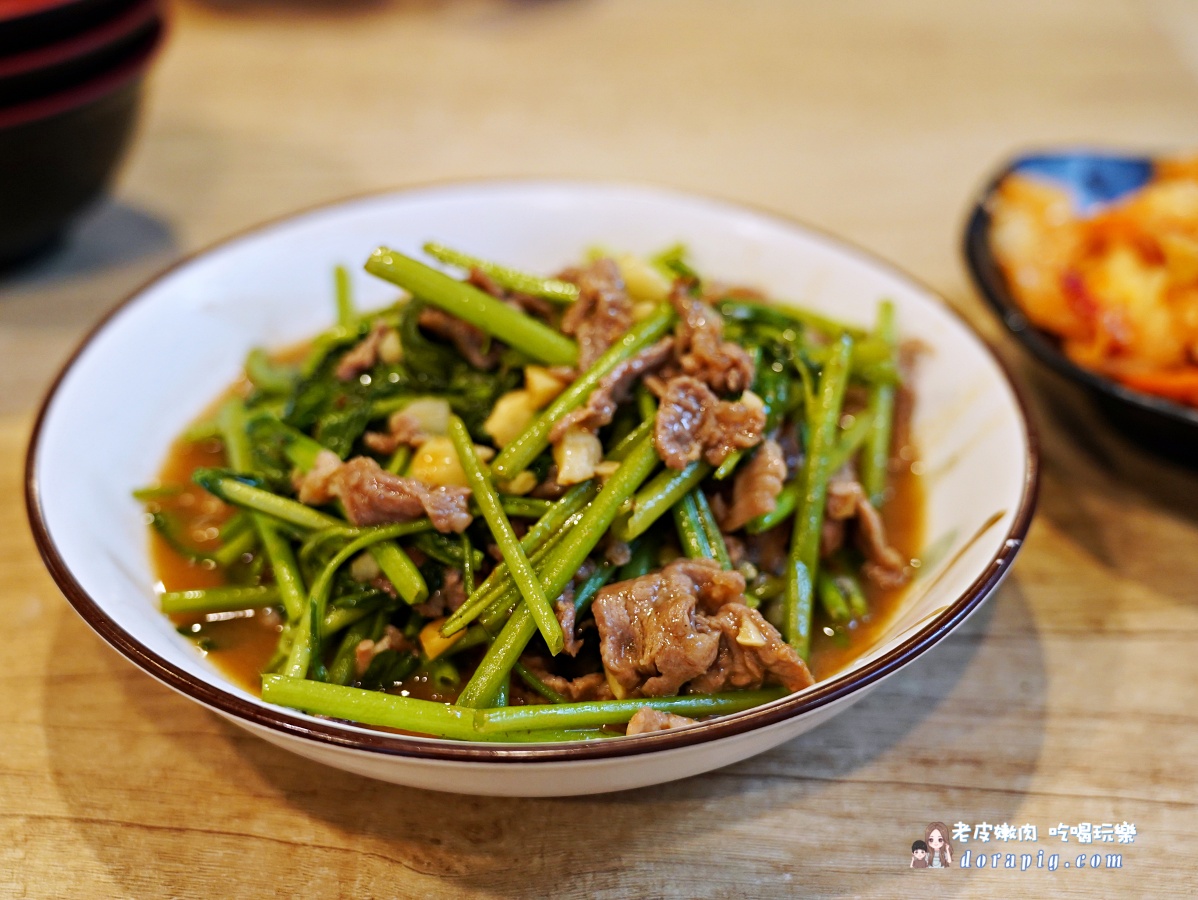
[[162, 356]]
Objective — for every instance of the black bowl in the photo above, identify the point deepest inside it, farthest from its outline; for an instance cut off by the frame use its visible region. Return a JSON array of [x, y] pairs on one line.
[[58, 153], [1092, 178], [36, 23], [42, 71]]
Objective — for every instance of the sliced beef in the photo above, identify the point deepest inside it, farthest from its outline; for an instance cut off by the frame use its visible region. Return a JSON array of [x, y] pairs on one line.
[[692, 423], [737, 553], [831, 536], [615, 551], [445, 599], [535, 306], [757, 486], [613, 389], [563, 608], [486, 284], [315, 487], [475, 346], [383, 583], [373, 496], [731, 426], [550, 488], [367, 650], [752, 652], [402, 431], [651, 638], [702, 352], [679, 421], [592, 686], [602, 312], [660, 632], [647, 720], [847, 503], [363, 355], [792, 453], [767, 551]]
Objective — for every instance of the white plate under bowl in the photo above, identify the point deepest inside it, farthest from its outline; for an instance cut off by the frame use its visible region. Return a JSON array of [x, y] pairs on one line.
[[163, 355]]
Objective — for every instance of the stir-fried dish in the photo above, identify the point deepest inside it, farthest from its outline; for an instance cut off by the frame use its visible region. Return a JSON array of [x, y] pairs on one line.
[[515, 508], [1120, 287]]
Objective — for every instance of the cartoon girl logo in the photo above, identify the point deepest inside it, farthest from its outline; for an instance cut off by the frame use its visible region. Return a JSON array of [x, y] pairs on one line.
[[940, 848]]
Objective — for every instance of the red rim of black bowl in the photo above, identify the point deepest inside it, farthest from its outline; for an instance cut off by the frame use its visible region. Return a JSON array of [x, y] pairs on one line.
[[90, 90], [990, 282], [24, 26], [284, 721], [125, 23], [19, 13], [28, 8]]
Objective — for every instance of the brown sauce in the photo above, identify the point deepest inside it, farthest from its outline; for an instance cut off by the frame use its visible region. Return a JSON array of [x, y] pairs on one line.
[[833, 650], [240, 645]]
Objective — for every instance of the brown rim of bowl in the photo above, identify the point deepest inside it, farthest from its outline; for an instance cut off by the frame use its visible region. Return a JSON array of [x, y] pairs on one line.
[[283, 720], [91, 90]]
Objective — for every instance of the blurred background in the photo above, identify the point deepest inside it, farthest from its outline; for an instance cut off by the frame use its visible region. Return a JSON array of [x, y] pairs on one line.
[[876, 122]]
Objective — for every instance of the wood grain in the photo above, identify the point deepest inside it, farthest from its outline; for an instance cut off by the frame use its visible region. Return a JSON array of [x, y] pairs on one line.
[[1070, 697]]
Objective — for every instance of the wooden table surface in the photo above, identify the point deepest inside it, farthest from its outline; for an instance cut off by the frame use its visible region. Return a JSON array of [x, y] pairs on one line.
[[1069, 698]]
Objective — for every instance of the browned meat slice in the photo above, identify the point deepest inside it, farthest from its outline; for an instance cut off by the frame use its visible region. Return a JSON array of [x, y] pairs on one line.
[[792, 453], [445, 599], [383, 583], [585, 687], [844, 493], [373, 496], [679, 422], [724, 366], [757, 486], [486, 284], [688, 624], [884, 565], [602, 312], [692, 423], [402, 431], [563, 608], [846, 502], [550, 488], [767, 551], [831, 536], [535, 306], [315, 487], [472, 343], [731, 426], [367, 650], [737, 552], [647, 720], [752, 652], [613, 389], [902, 450], [651, 638], [616, 552], [363, 355]]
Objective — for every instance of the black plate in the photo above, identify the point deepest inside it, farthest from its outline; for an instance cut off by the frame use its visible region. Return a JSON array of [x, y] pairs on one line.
[[1093, 178]]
